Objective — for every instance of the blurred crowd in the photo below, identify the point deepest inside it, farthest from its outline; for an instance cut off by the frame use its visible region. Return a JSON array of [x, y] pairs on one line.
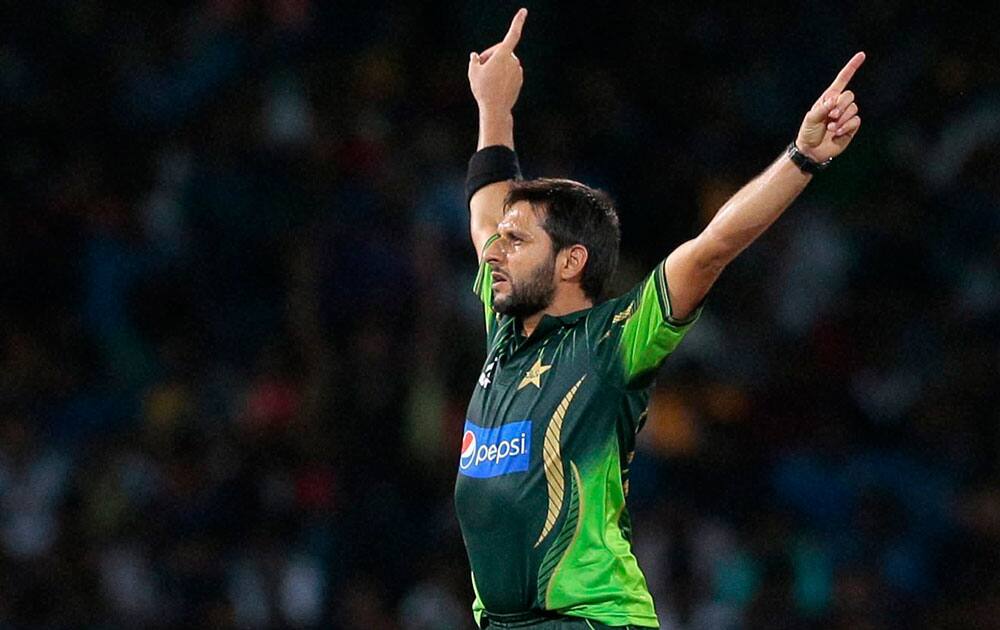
[[237, 334]]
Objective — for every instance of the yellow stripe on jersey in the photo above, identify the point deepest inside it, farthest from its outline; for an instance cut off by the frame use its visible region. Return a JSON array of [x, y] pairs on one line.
[[552, 457]]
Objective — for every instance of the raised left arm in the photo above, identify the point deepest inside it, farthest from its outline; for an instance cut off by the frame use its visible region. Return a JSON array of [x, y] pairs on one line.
[[826, 130]]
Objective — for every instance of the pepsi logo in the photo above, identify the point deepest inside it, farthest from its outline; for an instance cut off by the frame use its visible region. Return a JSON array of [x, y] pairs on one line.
[[468, 449], [495, 451]]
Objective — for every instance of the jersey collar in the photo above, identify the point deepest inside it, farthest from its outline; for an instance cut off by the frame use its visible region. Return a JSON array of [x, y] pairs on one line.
[[548, 323], [569, 318]]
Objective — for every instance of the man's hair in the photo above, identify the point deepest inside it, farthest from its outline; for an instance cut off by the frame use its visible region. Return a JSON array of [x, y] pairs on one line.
[[571, 214]]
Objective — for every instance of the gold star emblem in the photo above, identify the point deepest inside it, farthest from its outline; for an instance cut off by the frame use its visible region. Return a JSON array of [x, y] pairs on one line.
[[534, 375]]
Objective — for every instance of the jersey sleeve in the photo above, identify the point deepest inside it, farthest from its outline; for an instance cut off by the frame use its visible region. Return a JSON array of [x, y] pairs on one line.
[[632, 335], [484, 289]]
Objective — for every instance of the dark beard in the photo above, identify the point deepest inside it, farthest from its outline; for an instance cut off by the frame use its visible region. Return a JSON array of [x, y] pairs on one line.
[[533, 295]]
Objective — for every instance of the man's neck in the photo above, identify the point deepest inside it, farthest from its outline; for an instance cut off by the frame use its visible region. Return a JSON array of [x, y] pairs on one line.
[[558, 307]]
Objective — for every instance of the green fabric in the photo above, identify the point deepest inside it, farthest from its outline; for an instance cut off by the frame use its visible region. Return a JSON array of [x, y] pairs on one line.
[[484, 288], [650, 333], [598, 568], [554, 535], [561, 623], [477, 604]]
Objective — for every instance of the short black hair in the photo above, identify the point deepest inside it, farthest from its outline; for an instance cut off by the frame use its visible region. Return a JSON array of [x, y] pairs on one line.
[[576, 214]]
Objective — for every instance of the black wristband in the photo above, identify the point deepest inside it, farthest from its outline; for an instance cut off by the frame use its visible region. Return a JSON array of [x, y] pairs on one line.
[[492, 164], [805, 164]]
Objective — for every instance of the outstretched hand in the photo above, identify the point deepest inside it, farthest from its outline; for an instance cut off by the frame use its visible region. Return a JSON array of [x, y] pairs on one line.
[[833, 121], [495, 75]]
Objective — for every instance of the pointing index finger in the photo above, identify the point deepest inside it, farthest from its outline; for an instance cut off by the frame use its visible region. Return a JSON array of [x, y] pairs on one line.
[[845, 75], [514, 33]]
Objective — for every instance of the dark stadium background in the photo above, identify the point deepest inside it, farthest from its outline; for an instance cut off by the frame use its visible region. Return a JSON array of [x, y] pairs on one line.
[[236, 335]]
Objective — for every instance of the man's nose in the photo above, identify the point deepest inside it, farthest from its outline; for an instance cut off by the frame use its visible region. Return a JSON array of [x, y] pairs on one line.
[[495, 252]]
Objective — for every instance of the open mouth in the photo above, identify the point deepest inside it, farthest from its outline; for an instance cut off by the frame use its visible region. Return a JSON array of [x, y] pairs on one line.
[[498, 278]]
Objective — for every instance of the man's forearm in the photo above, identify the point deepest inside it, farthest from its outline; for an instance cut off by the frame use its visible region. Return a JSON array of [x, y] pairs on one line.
[[495, 128], [826, 130], [495, 78], [486, 204], [752, 210]]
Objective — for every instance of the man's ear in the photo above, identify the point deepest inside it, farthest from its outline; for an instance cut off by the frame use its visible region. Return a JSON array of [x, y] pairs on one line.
[[571, 261]]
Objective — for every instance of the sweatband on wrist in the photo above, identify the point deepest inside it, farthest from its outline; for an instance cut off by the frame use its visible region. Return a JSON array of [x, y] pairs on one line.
[[497, 163]]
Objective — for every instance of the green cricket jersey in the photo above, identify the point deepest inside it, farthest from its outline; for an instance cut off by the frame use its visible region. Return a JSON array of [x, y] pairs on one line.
[[548, 439]]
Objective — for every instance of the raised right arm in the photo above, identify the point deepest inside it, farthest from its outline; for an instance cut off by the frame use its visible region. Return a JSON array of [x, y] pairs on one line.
[[495, 77]]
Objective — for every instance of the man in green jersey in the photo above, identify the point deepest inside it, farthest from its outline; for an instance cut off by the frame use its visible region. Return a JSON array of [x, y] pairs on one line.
[[551, 426]]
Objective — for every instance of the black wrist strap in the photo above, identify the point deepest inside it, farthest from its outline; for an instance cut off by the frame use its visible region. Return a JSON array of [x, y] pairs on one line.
[[805, 164], [492, 164]]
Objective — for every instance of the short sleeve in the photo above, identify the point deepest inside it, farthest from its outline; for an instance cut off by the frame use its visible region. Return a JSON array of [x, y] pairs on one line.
[[632, 335]]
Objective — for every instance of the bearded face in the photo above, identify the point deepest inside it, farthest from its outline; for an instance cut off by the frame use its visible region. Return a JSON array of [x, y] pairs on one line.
[[525, 295], [523, 264]]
